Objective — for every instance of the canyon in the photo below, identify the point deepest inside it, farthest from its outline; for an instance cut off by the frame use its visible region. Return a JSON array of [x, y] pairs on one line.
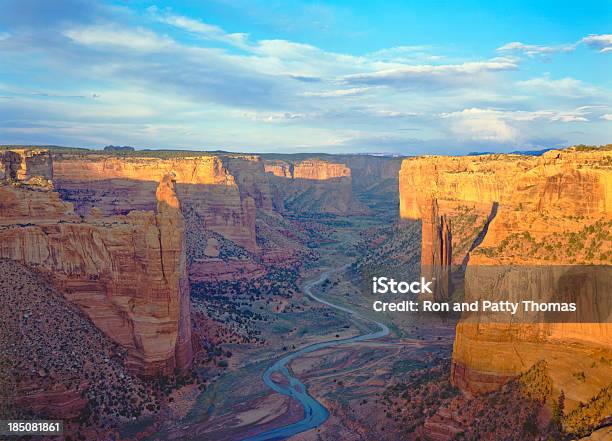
[[187, 273], [111, 231], [526, 227]]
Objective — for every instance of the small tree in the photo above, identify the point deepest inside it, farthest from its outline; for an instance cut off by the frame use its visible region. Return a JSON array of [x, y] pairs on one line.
[[558, 409]]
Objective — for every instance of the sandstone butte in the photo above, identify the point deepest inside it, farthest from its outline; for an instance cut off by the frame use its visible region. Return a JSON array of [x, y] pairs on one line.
[[496, 212], [126, 272]]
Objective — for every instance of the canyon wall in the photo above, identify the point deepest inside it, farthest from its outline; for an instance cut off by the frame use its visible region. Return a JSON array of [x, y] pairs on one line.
[[126, 272], [524, 226], [117, 185], [224, 188], [249, 174], [25, 164], [373, 173], [312, 186]]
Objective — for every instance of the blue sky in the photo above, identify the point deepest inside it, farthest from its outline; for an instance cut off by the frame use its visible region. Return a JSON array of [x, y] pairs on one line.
[[282, 76]]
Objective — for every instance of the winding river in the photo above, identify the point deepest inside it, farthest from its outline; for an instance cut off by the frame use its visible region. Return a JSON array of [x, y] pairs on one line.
[[315, 413]]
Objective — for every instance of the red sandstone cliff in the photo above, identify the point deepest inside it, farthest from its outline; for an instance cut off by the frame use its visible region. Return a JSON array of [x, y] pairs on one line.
[[253, 182], [127, 273], [25, 164], [540, 215], [436, 250], [118, 185], [312, 186]]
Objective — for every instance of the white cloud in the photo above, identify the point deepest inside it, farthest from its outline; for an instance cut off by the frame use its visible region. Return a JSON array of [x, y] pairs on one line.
[[607, 116], [507, 125], [564, 87], [339, 92], [272, 117], [138, 39], [481, 124], [602, 42], [200, 28], [403, 54], [533, 50], [435, 75]]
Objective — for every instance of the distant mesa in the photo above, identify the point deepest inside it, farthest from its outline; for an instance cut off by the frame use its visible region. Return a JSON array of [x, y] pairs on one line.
[[119, 149]]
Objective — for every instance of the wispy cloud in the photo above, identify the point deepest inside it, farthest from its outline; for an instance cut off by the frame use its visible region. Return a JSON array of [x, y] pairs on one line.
[[564, 87], [432, 75], [352, 91], [199, 28], [533, 50], [602, 42], [138, 39]]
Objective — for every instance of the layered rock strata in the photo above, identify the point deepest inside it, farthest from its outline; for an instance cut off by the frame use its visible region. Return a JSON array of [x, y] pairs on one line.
[[127, 273], [313, 186], [25, 164], [117, 185], [535, 222]]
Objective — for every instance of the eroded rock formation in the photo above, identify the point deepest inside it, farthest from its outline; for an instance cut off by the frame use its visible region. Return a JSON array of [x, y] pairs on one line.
[[313, 186], [436, 250], [539, 215], [127, 273], [253, 182], [25, 164], [118, 185]]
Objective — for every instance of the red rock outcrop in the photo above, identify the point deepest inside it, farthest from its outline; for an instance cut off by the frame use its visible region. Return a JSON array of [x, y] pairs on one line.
[[24, 164], [313, 186], [538, 215], [252, 180], [118, 185], [174, 263], [127, 273], [436, 250], [60, 401]]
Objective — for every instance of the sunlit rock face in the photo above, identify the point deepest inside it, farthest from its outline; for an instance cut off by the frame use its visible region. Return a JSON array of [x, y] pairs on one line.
[[25, 164], [117, 185], [542, 216], [174, 263], [436, 253], [127, 273], [313, 186]]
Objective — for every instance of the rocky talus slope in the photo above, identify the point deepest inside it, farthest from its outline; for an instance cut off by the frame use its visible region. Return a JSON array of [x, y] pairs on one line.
[[54, 361], [524, 226]]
